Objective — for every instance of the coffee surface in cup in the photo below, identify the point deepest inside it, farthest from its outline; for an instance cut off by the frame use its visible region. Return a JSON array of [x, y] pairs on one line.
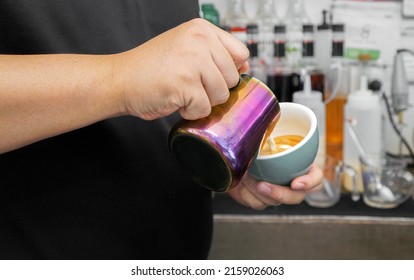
[[283, 143]]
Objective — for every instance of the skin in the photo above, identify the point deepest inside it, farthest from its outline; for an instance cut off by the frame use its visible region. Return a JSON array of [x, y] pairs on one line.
[[186, 69]]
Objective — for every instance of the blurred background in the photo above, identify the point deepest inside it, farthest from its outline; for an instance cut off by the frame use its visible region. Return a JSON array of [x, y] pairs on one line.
[[352, 63]]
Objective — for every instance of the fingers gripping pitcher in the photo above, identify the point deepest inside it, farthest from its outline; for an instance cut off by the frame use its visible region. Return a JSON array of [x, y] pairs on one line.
[[216, 150]]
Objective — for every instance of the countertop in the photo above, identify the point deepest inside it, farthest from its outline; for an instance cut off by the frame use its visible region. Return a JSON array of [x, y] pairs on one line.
[[348, 230]]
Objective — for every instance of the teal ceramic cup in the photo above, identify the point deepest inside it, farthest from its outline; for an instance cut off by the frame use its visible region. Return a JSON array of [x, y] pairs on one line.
[[281, 168]]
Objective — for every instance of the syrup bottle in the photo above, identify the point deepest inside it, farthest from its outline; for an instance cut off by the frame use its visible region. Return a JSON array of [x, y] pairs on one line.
[[257, 66], [308, 63], [336, 96], [279, 74]]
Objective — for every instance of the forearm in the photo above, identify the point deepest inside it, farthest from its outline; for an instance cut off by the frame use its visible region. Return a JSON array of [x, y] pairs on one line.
[[46, 95], [187, 69]]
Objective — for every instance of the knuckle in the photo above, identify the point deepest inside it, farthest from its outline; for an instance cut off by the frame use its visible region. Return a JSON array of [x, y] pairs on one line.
[[204, 111], [242, 54], [233, 80], [222, 98], [196, 29], [186, 77], [198, 21], [194, 111]]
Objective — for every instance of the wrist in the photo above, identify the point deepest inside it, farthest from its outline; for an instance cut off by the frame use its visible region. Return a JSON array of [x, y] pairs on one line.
[[112, 87]]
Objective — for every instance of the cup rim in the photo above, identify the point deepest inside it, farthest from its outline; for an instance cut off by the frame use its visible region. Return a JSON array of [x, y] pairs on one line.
[[310, 133]]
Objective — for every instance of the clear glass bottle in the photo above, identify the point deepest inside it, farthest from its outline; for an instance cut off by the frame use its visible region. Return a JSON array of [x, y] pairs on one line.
[[236, 19], [296, 16], [257, 65], [266, 18]]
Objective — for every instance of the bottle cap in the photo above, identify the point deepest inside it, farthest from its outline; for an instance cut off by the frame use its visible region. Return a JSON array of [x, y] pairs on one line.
[[307, 28], [307, 96], [279, 29], [252, 28], [363, 99], [207, 5], [363, 86], [324, 25], [338, 27], [363, 95]]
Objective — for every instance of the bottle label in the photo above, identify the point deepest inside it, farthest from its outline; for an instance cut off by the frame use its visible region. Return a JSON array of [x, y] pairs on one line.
[[308, 48], [240, 33], [266, 46], [294, 47], [279, 49]]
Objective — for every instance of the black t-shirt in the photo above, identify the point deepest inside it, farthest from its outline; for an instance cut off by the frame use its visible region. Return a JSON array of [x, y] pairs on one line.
[[110, 190]]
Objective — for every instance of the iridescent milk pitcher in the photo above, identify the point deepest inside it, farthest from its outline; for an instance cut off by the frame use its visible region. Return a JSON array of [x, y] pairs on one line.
[[216, 150]]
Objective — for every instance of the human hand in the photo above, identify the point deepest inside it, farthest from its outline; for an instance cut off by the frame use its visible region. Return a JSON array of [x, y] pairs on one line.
[[260, 195], [187, 69]]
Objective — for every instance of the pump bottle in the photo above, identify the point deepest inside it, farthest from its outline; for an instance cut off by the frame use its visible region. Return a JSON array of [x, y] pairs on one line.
[[363, 108], [323, 43], [313, 100]]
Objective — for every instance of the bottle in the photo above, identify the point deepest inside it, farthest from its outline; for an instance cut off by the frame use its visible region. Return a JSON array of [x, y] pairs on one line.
[[337, 91], [210, 13], [338, 39], [327, 193], [313, 100], [237, 20], [363, 108], [257, 66], [308, 45], [279, 74], [308, 63], [296, 16], [266, 18], [323, 42]]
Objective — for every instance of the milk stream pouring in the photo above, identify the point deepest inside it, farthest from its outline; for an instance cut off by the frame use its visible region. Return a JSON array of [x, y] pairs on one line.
[[313, 100], [364, 109]]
